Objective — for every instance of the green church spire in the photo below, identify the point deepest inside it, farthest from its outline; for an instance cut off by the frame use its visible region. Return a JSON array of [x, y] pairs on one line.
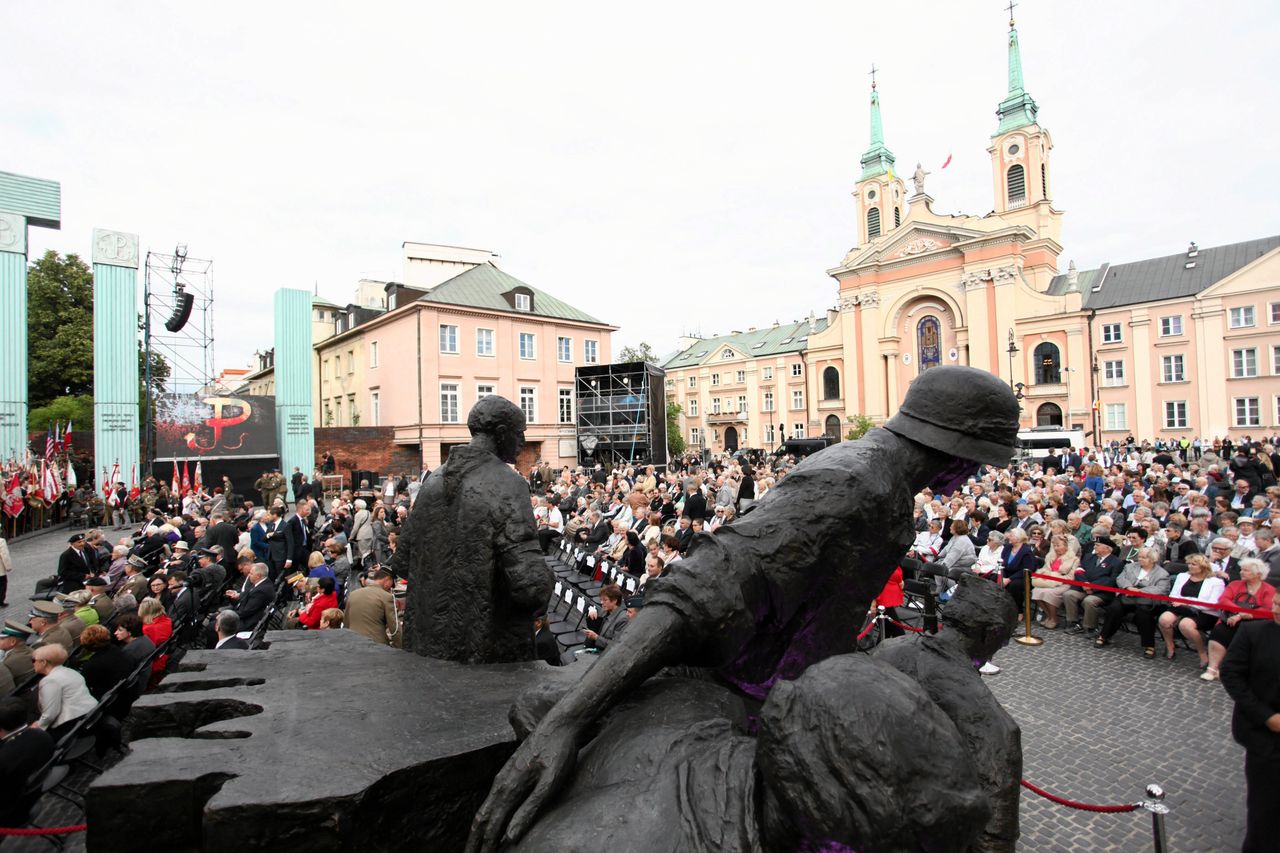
[[877, 159], [1018, 109]]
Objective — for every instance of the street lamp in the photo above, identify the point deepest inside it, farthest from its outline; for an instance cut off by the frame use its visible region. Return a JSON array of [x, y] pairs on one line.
[[1068, 371], [1013, 350]]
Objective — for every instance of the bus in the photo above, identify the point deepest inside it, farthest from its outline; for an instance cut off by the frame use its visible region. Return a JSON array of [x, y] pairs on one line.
[[1035, 443]]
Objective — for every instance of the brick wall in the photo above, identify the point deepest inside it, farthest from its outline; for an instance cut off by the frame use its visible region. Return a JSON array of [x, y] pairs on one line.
[[366, 449]]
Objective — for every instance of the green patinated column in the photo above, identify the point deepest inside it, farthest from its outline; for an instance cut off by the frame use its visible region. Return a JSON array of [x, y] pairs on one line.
[[23, 201], [295, 432], [115, 353]]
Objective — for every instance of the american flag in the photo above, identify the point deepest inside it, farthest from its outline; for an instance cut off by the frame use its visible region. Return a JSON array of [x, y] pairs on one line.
[[48, 443]]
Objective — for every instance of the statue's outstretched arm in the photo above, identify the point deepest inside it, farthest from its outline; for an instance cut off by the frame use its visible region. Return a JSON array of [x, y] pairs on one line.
[[543, 764]]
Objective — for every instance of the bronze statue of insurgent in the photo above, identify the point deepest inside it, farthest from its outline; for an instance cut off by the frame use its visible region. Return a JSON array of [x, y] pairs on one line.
[[476, 573], [778, 590]]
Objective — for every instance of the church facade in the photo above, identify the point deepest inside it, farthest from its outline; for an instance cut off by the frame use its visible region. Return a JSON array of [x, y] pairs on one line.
[[1176, 346]]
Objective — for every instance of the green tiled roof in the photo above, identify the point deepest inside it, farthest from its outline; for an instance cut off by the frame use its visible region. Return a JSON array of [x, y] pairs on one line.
[[774, 340], [483, 286]]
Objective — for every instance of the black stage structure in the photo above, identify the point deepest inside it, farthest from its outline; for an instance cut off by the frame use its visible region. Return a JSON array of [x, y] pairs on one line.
[[622, 414]]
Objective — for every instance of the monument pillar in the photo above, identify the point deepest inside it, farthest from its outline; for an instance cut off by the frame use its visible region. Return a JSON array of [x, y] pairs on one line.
[[23, 201], [115, 353], [295, 430]]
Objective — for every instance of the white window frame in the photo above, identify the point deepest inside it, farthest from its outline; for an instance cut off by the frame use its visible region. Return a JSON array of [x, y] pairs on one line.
[[768, 401], [1171, 326], [695, 436], [742, 403], [797, 369], [523, 302], [375, 408], [693, 407], [728, 354], [1275, 360], [715, 405], [797, 430], [1246, 318], [767, 374], [1167, 362], [447, 390], [693, 382], [1113, 333], [797, 399], [485, 389], [768, 435], [564, 349], [351, 361], [373, 354], [1255, 421], [530, 413], [1273, 313], [532, 340], [1244, 363], [590, 351], [1110, 412], [565, 395], [1175, 417], [1111, 377], [483, 337], [448, 339], [715, 380], [740, 377]]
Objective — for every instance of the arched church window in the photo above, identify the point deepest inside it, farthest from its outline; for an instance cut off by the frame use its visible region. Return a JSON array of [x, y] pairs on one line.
[[929, 340], [897, 217], [873, 223], [1017, 185], [830, 384], [1049, 414], [1048, 364]]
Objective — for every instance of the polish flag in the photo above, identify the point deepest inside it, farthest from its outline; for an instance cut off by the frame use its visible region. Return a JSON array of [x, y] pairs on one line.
[[948, 162]]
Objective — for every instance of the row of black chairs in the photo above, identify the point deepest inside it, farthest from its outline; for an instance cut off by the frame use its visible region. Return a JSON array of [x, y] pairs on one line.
[[577, 589]]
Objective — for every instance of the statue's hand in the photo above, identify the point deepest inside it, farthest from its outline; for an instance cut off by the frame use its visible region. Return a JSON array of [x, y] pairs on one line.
[[533, 775]]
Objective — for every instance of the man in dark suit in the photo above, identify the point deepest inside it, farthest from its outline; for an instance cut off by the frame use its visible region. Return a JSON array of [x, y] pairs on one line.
[[1101, 566], [224, 534], [296, 481], [297, 539], [75, 564], [227, 626], [599, 531], [252, 603], [1251, 675], [545, 646], [23, 751], [183, 607], [695, 505], [684, 533]]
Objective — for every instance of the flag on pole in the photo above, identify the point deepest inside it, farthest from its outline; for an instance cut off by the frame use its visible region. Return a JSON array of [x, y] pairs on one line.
[[48, 443], [70, 479], [112, 497], [66, 439], [57, 436], [38, 491], [199, 481], [13, 503], [49, 483], [175, 486], [134, 491], [186, 478], [947, 162], [106, 484]]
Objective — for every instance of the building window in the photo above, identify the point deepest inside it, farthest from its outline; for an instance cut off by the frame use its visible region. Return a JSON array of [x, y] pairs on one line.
[[768, 435], [873, 223], [897, 216], [325, 371], [715, 379], [337, 365], [1248, 412], [797, 369], [797, 430], [768, 401], [375, 408], [1111, 333], [564, 349], [695, 436], [1112, 373], [485, 391], [1175, 414], [523, 302], [1171, 326], [449, 339], [591, 351], [797, 399], [448, 402], [742, 403], [566, 405], [693, 407], [484, 342], [529, 403], [728, 355], [1049, 414], [337, 411], [767, 374], [715, 405], [1242, 317], [1172, 369], [373, 354], [693, 382], [1044, 181], [1116, 416], [527, 350], [1273, 311], [830, 383], [1275, 361], [351, 362], [1017, 185], [1244, 363], [741, 377], [1048, 365]]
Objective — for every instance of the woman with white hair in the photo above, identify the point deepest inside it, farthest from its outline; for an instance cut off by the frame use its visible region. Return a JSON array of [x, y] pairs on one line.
[[1251, 591], [361, 537], [988, 559], [63, 695]]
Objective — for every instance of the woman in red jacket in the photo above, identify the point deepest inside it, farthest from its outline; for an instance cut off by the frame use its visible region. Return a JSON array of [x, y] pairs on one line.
[[890, 598], [157, 627], [309, 616]]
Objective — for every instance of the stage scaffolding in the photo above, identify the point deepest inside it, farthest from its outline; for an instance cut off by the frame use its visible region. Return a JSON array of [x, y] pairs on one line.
[[621, 414]]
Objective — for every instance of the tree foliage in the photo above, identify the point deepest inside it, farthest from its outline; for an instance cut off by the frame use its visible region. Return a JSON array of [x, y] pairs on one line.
[[675, 438], [644, 352], [77, 409], [859, 424], [59, 329]]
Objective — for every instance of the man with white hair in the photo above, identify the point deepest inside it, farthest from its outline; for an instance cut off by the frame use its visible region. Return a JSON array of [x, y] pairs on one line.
[[1268, 552], [361, 536], [227, 626]]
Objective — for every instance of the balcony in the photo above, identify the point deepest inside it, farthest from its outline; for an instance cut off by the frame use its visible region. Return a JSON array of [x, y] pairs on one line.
[[727, 418], [1045, 389]]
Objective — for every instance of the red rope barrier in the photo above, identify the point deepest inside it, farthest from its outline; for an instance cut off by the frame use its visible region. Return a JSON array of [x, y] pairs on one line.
[[43, 830], [1137, 593], [867, 630], [907, 627], [1072, 804]]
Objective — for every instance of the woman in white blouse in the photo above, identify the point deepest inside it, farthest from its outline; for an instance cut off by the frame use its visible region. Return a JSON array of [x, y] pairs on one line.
[[1197, 582]]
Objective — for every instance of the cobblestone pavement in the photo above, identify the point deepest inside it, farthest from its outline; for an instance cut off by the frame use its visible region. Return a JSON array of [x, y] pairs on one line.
[[1098, 725]]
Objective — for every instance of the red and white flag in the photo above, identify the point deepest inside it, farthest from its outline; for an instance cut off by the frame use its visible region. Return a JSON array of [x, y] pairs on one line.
[[106, 484], [134, 491], [13, 503], [947, 162], [186, 478], [112, 497], [70, 479], [66, 439], [49, 484], [199, 481], [175, 485]]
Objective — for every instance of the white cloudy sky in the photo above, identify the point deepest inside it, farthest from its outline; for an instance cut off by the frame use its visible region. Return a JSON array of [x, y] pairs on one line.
[[665, 166]]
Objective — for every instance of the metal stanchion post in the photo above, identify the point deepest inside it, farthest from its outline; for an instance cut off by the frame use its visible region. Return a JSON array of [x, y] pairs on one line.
[[1155, 804], [930, 612], [1027, 639]]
